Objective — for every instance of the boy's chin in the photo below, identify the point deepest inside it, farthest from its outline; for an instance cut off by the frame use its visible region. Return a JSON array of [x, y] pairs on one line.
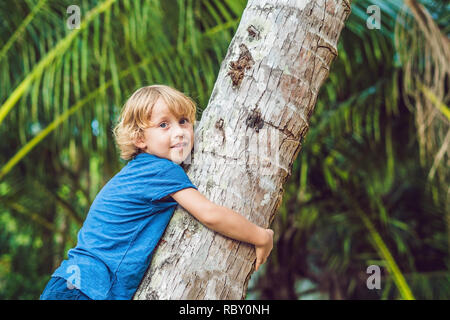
[[180, 156], [178, 159]]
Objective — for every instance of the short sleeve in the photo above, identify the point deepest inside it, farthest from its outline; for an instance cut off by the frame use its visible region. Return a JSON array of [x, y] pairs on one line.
[[171, 178]]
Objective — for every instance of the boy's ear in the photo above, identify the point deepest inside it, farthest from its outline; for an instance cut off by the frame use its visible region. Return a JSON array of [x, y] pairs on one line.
[[139, 142]]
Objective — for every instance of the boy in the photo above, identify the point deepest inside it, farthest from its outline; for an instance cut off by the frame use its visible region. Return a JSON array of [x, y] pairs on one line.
[[130, 213]]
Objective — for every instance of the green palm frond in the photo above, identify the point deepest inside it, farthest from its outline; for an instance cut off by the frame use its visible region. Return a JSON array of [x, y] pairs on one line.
[[20, 30], [58, 50], [435, 100], [384, 252]]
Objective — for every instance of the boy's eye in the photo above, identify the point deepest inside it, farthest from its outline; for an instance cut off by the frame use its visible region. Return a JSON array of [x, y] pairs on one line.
[[182, 121]]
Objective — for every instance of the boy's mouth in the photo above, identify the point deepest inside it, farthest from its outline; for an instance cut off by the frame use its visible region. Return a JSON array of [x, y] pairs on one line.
[[180, 145]]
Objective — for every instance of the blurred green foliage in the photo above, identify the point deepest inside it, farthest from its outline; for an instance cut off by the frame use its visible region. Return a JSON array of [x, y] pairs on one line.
[[358, 194]]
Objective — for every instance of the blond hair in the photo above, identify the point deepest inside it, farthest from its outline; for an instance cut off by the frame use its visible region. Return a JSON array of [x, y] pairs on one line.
[[137, 111]]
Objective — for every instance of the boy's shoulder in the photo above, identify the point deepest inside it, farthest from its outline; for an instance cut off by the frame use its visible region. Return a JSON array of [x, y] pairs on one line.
[[147, 165], [149, 160]]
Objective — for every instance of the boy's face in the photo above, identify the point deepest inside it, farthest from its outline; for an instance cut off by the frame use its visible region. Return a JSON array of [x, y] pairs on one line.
[[161, 140]]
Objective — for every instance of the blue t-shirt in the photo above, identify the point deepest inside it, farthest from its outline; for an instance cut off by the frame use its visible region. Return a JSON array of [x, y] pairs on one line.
[[124, 224]]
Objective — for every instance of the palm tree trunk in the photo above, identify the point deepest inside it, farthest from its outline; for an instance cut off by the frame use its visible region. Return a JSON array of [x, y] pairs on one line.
[[246, 142]]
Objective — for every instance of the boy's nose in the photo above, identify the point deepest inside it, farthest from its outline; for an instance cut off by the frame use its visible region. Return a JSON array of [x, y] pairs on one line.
[[178, 131]]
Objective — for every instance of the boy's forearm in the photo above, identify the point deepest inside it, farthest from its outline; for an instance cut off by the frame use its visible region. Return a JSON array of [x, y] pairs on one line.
[[236, 226]]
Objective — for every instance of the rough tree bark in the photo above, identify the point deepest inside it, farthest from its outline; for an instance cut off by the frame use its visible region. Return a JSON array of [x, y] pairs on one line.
[[246, 142]]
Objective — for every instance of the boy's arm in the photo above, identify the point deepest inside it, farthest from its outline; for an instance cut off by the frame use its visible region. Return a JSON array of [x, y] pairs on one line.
[[226, 222], [221, 219]]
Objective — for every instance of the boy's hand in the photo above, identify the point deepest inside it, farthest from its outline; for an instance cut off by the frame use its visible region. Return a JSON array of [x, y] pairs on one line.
[[263, 250]]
